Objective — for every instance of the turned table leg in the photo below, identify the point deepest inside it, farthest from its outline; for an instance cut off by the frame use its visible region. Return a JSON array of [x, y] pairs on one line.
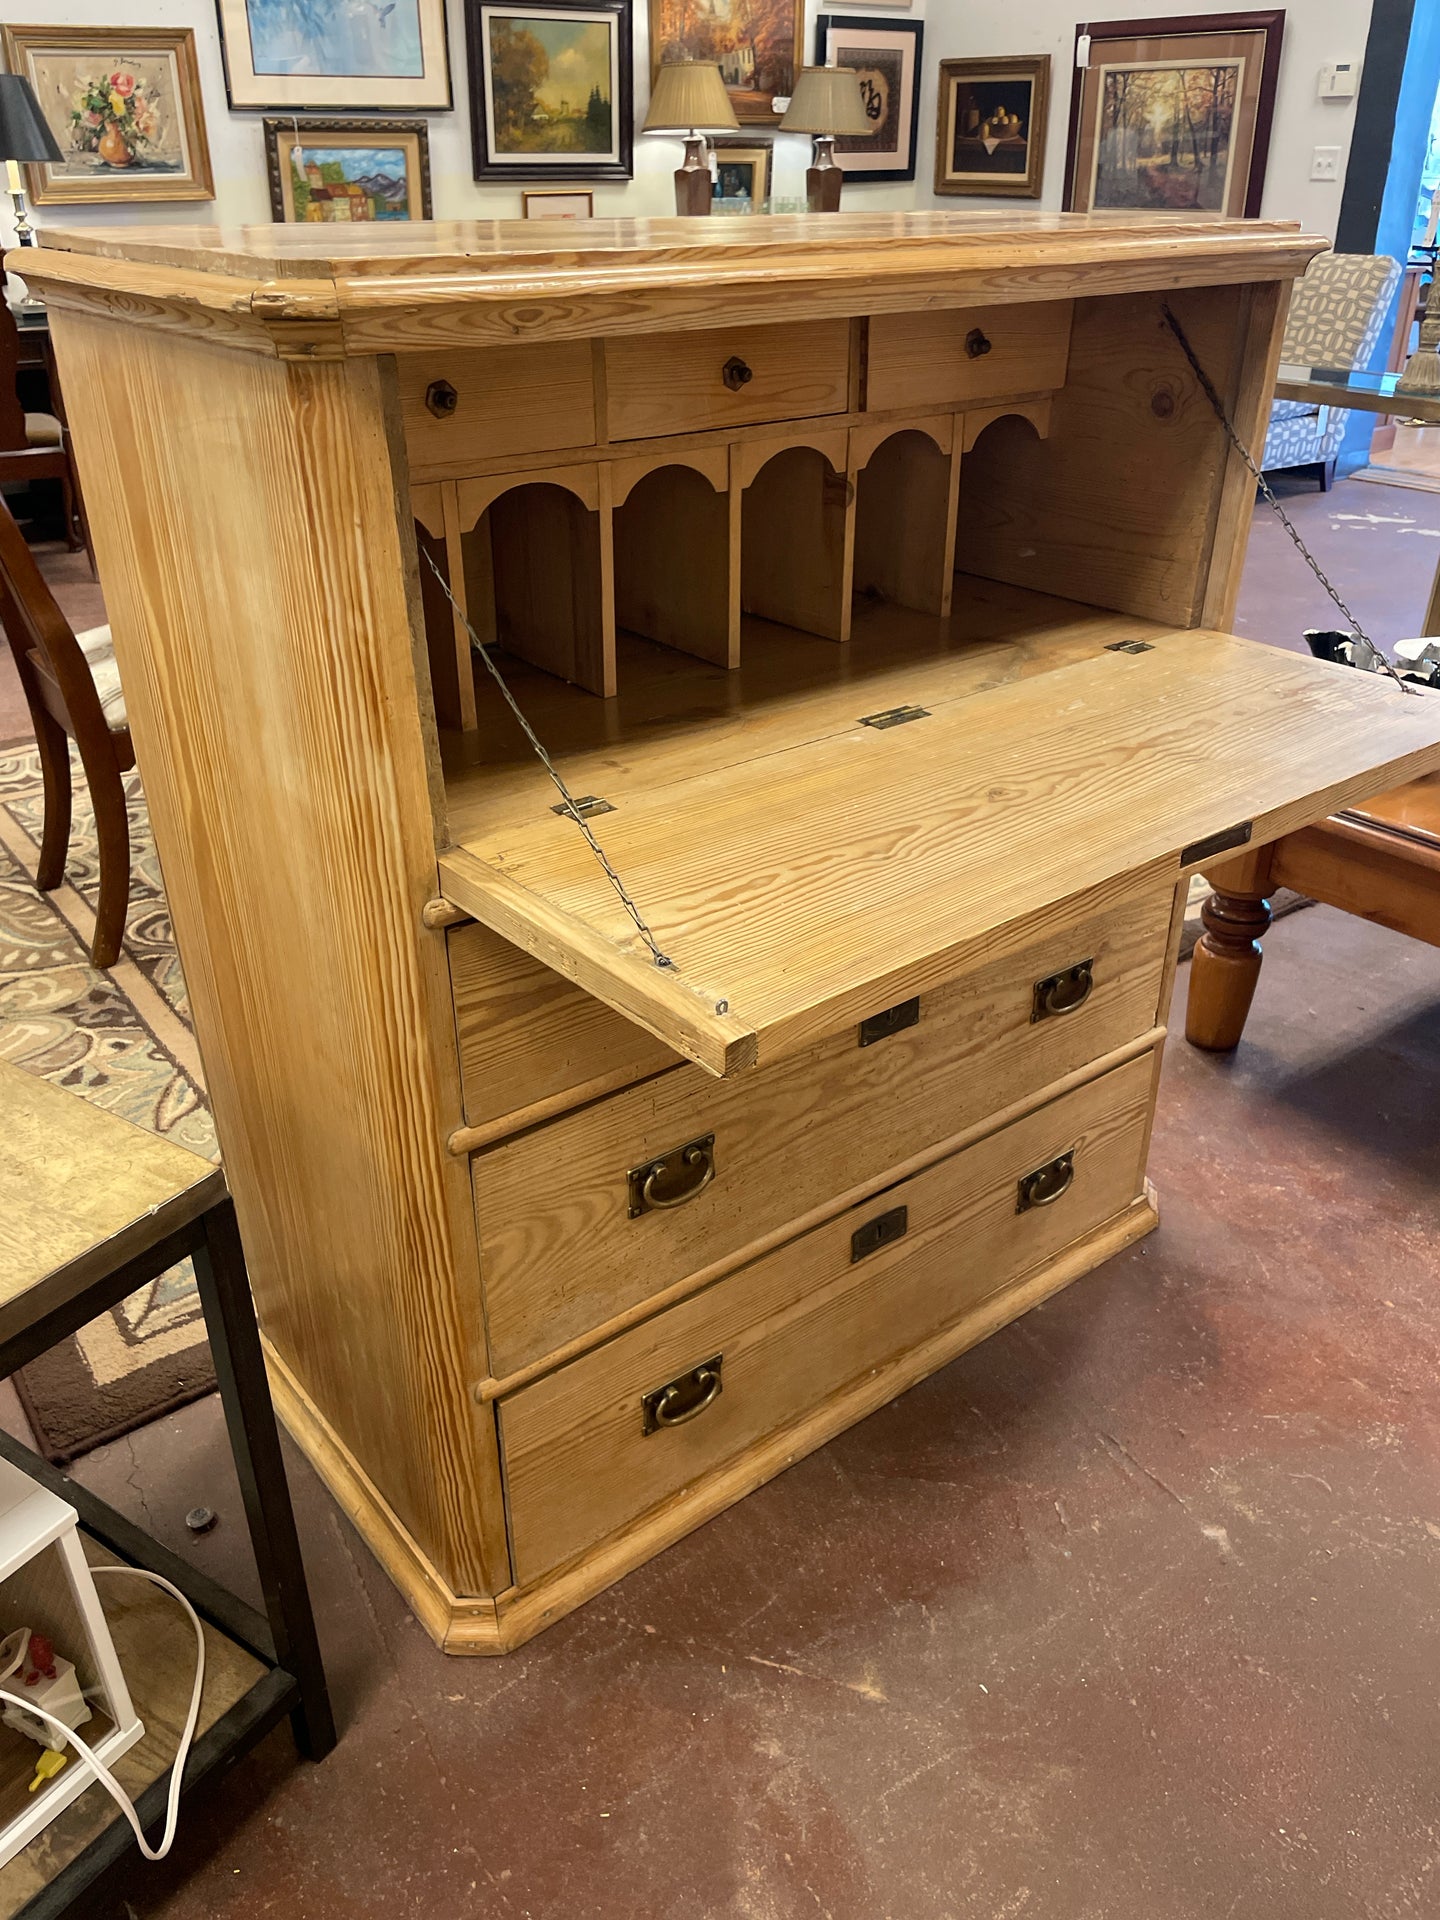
[[1226, 963]]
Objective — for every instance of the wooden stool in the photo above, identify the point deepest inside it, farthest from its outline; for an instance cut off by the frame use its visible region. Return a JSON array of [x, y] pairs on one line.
[[94, 1208]]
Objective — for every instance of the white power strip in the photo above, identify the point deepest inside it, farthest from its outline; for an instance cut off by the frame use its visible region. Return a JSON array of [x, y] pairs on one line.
[[87, 1758]]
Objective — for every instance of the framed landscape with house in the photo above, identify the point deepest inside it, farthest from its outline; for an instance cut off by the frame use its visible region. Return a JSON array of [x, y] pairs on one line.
[[551, 92], [124, 107], [1173, 115], [990, 136], [757, 47], [323, 171]]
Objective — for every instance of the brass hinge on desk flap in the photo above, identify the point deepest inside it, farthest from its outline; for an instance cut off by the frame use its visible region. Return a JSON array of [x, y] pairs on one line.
[[587, 806], [894, 717], [1130, 646], [1214, 843]]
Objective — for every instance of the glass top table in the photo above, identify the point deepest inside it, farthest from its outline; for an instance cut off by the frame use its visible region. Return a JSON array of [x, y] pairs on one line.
[[1365, 392]]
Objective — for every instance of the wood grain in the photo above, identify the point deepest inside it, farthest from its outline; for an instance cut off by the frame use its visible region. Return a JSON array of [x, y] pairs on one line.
[[1100, 768], [906, 489], [560, 1256], [922, 359], [674, 384], [796, 1327], [254, 558], [1381, 876], [796, 517], [525, 399], [673, 572]]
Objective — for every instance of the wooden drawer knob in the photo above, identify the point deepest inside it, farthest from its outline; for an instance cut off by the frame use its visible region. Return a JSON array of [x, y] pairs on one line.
[[441, 398], [736, 374], [977, 343], [1046, 1184]]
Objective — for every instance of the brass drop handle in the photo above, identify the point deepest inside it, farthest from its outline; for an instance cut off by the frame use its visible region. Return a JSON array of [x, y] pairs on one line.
[[441, 398], [736, 374], [1063, 992], [683, 1399], [673, 1179], [977, 343], [1044, 1186]]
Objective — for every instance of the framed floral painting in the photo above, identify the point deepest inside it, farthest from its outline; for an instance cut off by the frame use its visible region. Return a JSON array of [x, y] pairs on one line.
[[323, 171], [551, 89], [1173, 115], [124, 106]]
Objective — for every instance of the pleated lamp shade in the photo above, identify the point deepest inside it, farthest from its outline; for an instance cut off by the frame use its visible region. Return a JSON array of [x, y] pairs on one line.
[[689, 93], [24, 134], [826, 100]]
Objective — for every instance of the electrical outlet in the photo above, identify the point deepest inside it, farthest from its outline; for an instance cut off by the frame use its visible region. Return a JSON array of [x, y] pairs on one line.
[[1325, 163]]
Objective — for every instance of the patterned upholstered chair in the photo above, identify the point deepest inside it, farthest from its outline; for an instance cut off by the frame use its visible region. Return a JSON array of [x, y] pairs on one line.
[[1335, 319]]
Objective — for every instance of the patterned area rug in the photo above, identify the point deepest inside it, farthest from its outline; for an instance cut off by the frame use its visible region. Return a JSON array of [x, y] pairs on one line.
[[121, 1039]]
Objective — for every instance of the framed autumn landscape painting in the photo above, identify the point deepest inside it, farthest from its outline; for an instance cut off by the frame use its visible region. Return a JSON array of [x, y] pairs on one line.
[[1173, 115], [551, 96], [755, 43]]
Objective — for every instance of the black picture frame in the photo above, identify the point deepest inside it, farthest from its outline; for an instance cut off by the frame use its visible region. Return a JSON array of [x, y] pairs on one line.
[[522, 167], [825, 24]]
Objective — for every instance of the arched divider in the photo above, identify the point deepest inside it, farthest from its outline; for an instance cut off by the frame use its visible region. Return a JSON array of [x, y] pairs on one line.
[[792, 520], [985, 521], [905, 476], [676, 564], [974, 423], [534, 556]]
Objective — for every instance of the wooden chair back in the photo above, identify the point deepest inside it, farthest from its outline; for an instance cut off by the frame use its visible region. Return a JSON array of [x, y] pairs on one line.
[[12, 414], [34, 625]]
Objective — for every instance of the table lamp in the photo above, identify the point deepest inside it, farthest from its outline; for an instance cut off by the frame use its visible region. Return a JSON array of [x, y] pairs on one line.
[[23, 136], [826, 101], [690, 94]]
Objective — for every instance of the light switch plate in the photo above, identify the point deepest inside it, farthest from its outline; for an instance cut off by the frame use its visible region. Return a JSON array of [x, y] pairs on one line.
[[1325, 163]]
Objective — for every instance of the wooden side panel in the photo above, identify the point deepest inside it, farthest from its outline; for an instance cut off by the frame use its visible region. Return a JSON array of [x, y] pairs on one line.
[[905, 524], [797, 1326], [256, 560], [1118, 506], [794, 544], [1260, 330], [551, 567], [520, 399], [672, 565]]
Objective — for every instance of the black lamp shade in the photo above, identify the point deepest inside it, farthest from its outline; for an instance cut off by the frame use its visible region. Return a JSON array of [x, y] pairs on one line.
[[23, 132]]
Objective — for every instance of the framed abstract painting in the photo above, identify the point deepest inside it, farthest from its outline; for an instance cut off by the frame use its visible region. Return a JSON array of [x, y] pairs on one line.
[[990, 136], [551, 89], [757, 45], [124, 106], [1173, 115], [885, 57], [344, 55], [323, 171]]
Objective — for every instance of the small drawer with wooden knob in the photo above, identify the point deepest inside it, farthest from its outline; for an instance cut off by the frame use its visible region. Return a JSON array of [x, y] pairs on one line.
[[636, 1421], [689, 382], [965, 354], [459, 406], [679, 1175]]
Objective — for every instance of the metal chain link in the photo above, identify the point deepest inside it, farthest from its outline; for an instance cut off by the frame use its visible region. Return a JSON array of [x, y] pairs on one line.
[[1218, 406], [571, 810]]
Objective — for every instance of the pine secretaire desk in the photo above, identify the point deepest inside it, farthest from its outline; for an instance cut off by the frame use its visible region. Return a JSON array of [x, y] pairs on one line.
[[868, 576]]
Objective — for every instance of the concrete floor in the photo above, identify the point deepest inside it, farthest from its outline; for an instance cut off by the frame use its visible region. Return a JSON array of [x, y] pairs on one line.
[[1129, 1614]]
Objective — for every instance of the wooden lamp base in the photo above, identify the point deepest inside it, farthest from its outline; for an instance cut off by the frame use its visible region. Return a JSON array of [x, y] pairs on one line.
[[824, 179], [694, 187]]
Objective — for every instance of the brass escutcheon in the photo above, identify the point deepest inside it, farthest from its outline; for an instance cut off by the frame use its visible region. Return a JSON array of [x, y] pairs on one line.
[[683, 1399], [1044, 1186], [1063, 992], [672, 1178]]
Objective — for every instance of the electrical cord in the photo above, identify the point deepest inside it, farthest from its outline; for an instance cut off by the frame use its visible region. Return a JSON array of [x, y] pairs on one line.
[[102, 1773]]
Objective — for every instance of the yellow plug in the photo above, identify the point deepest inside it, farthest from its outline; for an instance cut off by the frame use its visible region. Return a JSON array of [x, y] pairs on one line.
[[48, 1765]]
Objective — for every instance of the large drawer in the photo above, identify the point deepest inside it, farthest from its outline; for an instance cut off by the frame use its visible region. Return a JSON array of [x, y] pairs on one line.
[[735, 376], [530, 1041], [797, 1326], [967, 354], [561, 1252], [460, 406]]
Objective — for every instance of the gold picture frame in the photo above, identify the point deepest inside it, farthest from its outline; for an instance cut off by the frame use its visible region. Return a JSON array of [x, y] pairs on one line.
[[750, 162], [124, 105], [990, 126], [759, 49], [578, 203]]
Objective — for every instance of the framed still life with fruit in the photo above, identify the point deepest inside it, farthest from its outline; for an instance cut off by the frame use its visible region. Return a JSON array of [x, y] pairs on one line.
[[991, 133], [124, 106]]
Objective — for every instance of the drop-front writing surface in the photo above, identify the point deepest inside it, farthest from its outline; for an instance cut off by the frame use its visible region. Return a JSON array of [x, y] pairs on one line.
[[947, 474]]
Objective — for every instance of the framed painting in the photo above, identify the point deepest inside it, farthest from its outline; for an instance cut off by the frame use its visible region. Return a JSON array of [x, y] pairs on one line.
[[559, 203], [757, 46], [124, 106], [742, 174], [551, 92], [316, 55], [1173, 115], [885, 55], [343, 170], [990, 127]]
